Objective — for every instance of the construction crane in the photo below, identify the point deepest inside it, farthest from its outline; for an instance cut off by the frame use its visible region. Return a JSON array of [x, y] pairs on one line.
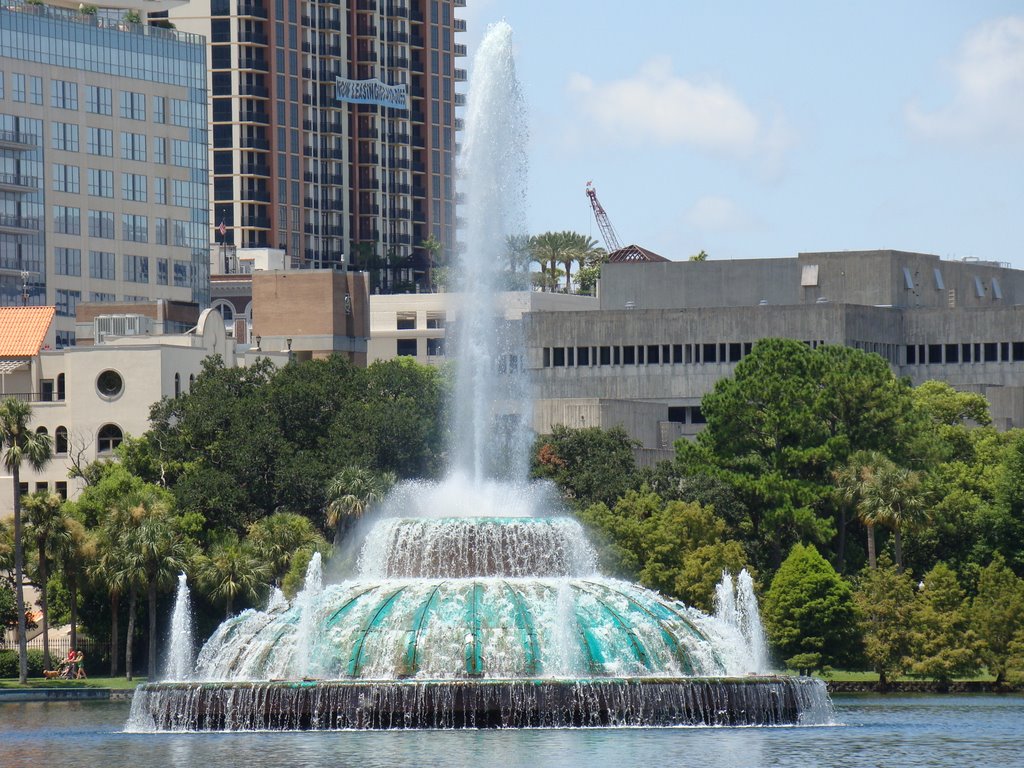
[[611, 240]]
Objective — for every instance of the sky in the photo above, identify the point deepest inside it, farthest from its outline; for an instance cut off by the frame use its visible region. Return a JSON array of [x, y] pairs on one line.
[[752, 129]]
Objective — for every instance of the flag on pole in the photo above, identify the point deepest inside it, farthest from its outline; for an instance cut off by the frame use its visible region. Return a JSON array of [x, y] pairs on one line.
[[222, 229]]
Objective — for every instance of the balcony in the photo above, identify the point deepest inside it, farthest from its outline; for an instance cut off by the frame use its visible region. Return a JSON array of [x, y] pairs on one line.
[[253, 90], [460, 25], [398, 138], [19, 225], [398, 37], [255, 63], [252, 36], [417, 41], [16, 182], [366, 29], [254, 142], [17, 140], [460, 49], [371, 158], [366, 5], [460, 75], [368, 183], [256, 222], [255, 196], [254, 116], [399, 162], [460, 99], [254, 169], [397, 9], [251, 8]]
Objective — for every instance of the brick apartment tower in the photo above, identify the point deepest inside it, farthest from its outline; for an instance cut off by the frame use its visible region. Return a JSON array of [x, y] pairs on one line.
[[335, 184]]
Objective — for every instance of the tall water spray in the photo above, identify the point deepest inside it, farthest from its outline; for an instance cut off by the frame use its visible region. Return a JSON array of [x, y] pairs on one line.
[[180, 655], [492, 403], [736, 608]]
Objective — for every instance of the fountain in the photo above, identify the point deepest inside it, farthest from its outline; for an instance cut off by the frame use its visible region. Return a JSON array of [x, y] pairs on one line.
[[471, 604], [180, 662]]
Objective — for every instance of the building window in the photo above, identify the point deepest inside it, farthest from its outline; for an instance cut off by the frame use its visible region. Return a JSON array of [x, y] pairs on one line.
[[101, 224], [134, 228], [18, 87], [68, 261], [35, 90], [109, 383], [177, 384], [159, 150], [435, 347], [133, 146], [136, 269], [61, 388], [98, 100], [406, 347], [180, 274], [133, 105], [67, 220], [133, 187], [65, 178], [161, 271], [67, 302], [63, 94], [60, 440], [60, 487], [101, 265], [159, 109], [64, 136], [160, 235], [109, 437], [100, 142], [101, 183], [65, 339]]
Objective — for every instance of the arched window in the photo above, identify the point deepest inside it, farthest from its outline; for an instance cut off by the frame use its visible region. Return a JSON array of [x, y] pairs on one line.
[[110, 436], [191, 381], [42, 431], [60, 440], [227, 311], [60, 386], [177, 384]]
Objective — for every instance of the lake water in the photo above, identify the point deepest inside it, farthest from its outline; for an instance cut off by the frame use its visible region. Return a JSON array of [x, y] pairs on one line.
[[905, 731]]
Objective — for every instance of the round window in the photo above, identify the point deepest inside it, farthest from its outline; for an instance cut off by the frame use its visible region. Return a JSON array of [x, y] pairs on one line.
[[110, 383]]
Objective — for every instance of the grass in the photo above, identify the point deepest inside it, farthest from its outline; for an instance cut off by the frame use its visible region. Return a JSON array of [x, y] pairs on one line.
[[116, 683], [858, 676]]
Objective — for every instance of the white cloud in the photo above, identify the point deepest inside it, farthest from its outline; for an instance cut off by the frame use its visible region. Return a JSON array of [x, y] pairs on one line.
[[718, 214], [988, 81], [655, 105]]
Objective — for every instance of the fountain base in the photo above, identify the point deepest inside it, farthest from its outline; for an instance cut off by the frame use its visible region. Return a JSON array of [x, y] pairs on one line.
[[526, 703]]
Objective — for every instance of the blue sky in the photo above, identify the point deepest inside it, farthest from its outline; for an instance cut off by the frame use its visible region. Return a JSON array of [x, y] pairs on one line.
[[754, 130]]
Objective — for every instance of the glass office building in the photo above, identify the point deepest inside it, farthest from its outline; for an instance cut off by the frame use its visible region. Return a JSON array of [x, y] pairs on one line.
[[104, 184]]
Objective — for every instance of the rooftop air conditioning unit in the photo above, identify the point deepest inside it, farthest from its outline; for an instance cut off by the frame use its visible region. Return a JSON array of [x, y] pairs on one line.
[[121, 325]]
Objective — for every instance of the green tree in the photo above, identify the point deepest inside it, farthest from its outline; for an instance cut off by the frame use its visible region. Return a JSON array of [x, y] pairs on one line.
[[47, 528], [433, 248], [231, 570], [699, 256], [809, 612], [943, 644], [278, 538], [589, 465], [885, 602], [892, 496], [19, 444], [997, 615], [350, 493], [74, 558], [1006, 525]]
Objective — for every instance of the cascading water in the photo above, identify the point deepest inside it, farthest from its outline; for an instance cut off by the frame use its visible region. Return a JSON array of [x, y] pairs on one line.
[[469, 607], [180, 661]]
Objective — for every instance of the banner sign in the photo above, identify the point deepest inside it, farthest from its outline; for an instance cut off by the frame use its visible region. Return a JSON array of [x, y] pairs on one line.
[[371, 92]]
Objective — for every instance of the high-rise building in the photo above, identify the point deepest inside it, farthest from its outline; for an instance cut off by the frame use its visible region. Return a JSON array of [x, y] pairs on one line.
[[104, 190], [333, 129]]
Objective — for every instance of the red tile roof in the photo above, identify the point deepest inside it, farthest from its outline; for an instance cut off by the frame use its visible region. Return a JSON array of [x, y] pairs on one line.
[[23, 330]]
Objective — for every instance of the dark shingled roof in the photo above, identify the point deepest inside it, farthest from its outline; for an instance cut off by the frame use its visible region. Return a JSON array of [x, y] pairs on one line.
[[633, 253]]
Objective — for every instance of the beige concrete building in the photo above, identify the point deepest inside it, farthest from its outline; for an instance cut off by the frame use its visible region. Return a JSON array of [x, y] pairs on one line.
[[88, 398]]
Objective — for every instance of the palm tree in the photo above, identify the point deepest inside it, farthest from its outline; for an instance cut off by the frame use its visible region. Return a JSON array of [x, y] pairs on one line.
[[163, 553], [852, 482], [75, 558], [233, 569], [278, 537], [111, 573], [47, 526], [19, 443], [433, 248], [351, 492], [894, 498], [580, 249], [547, 250]]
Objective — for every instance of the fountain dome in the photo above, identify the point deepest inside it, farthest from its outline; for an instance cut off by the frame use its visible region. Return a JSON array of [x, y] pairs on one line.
[[454, 601]]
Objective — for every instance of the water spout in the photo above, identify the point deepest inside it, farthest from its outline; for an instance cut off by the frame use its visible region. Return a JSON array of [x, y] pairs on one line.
[[180, 655]]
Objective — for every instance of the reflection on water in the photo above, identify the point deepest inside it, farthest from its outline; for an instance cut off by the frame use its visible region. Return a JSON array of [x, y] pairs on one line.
[[908, 731]]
